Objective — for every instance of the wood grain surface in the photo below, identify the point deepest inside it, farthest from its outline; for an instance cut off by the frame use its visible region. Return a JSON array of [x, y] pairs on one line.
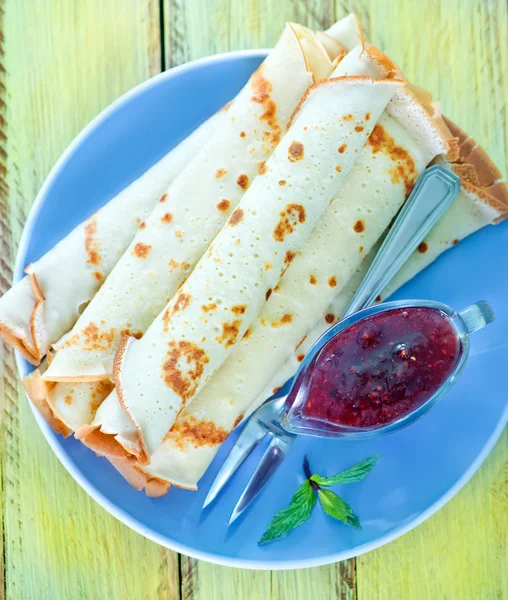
[[61, 62]]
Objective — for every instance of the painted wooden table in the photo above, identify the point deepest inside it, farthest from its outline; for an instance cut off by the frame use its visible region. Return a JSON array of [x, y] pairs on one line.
[[61, 62]]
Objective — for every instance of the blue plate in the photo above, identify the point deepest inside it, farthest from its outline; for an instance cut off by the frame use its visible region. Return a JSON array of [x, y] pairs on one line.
[[421, 467]]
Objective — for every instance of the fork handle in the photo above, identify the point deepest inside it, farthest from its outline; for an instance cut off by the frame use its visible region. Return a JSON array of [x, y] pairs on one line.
[[432, 196]]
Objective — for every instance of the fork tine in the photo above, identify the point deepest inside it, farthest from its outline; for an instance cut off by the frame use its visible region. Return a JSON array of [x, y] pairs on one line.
[[249, 438], [272, 458]]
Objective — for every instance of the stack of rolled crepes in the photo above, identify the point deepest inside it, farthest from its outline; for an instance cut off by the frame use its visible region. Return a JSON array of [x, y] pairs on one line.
[[165, 328]]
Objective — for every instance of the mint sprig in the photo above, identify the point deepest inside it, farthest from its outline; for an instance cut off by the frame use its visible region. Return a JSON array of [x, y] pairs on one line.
[[304, 500], [338, 508], [298, 511], [356, 473]]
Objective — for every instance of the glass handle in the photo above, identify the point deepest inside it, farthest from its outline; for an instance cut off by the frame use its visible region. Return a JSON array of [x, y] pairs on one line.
[[432, 196], [477, 316]]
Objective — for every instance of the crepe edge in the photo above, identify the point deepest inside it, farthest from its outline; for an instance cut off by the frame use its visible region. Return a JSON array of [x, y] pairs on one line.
[[121, 352], [19, 338], [35, 388], [332, 80], [478, 173]]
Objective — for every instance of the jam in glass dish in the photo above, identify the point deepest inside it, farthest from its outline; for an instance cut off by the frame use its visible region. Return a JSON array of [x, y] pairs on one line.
[[381, 368]]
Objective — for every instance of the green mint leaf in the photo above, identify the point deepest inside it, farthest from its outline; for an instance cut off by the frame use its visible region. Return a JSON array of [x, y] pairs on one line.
[[353, 520], [298, 511], [355, 473], [338, 508]]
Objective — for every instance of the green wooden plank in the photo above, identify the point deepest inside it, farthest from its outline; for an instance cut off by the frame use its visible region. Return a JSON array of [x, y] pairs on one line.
[[60, 64]]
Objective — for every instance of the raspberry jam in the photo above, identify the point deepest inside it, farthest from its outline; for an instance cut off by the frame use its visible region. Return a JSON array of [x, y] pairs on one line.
[[382, 367]]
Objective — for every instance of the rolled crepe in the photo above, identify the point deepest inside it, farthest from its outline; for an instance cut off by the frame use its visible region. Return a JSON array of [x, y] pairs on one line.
[[45, 304], [403, 142], [196, 332], [180, 228]]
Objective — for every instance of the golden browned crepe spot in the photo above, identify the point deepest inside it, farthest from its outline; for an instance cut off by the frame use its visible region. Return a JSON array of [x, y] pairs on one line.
[[167, 218], [262, 168], [348, 117], [242, 134], [238, 420], [199, 433], [93, 339], [236, 217], [243, 181], [184, 384], [300, 342], [143, 225], [466, 173], [332, 281], [338, 169], [329, 317], [141, 250], [239, 309], [300, 357], [182, 302], [247, 333], [164, 197], [405, 167], [295, 151], [268, 293], [135, 334], [179, 233], [268, 266], [276, 389], [360, 249], [229, 333], [312, 280], [282, 182], [455, 241], [423, 247], [342, 149], [224, 205], [367, 116], [261, 90], [289, 257], [289, 218], [220, 173], [98, 275], [91, 244], [378, 299], [174, 265], [276, 289], [359, 226], [68, 399], [209, 307], [286, 319]]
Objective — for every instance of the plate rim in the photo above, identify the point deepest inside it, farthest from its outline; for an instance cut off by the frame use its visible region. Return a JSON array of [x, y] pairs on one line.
[[91, 490]]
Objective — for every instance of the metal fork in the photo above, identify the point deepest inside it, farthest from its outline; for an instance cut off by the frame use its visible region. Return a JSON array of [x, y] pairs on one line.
[[433, 194]]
